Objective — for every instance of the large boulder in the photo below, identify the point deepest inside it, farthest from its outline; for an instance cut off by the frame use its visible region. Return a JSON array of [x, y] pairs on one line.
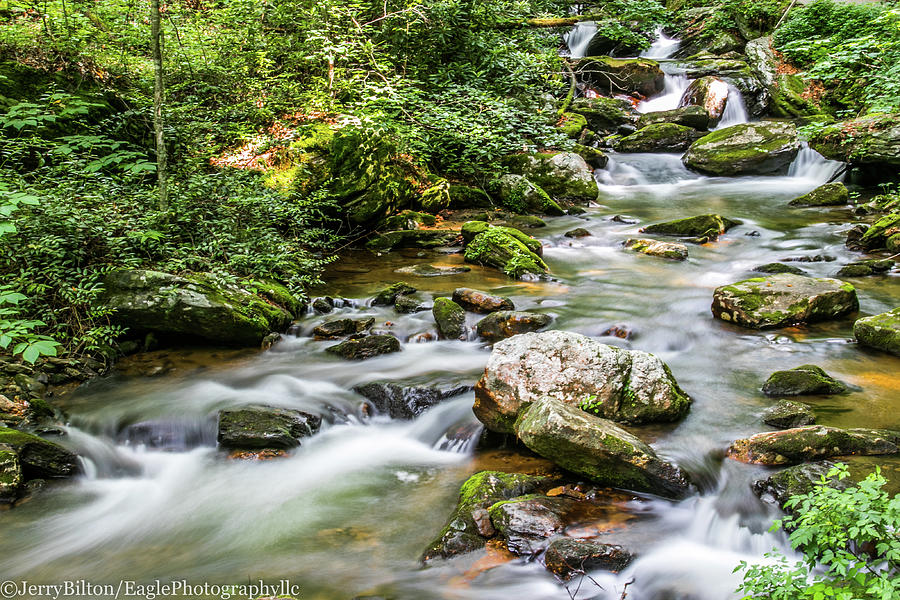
[[783, 300], [40, 458], [565, 176], [507, 323], [793, 481], [450, 318], [881, 332], [735, 74], [482, 490], [884, 233], [481, 302], [605, 115], [255, 427], [412, 238], [829, 194], [657, 248], [596, 448], [760, 148], [506, 249], [709, 93], [804, 380], [701, 229], [403, 401], [519, 194], [602, 44], [567, 556], [622, 75], [817, 442], [871, 141], [659, 137], [690, 116], [628, 386], [367, 347], [197, 306]]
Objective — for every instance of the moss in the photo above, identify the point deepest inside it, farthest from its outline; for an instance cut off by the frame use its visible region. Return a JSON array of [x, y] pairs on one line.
[[450, 318], [503, 248], [881, 332], [464, 196], [702, 227], [436, 198], [658, 137], [572, 124], [388, 295], [830, 194], [802, 380]]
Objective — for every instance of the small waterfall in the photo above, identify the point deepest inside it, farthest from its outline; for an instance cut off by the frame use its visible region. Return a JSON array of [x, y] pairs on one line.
[[663, 47], [735, 110], [811, 165], [579, 37], [668, 99]]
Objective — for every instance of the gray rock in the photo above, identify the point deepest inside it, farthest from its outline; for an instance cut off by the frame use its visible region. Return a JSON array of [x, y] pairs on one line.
[[507, 323], [11, 477], [793, 481], [481, 302], [405, 402], [787, 414], [265, 427], [568, 556], [759, 148], [816, 442], [805, 380], [526, 522], [656, 248], [367, 347]]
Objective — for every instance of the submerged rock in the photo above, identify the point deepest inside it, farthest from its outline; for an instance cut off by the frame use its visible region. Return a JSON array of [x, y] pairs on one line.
[[783, 300], [801, 444], [702, 228], [690, 116], [881, 332], [367, 347], [801, 381], [830, 194], [622, 75], [405, 402], [596, 448], [628, 386], [793, 481], [450, 318], [567, 556], [40, 458], [760, 148], [197, 306], [480, 491], [775, 268], [425, 270], [659, 137], [481, 302], [265, 427], [656, 248], [507, 323], [787, 414]]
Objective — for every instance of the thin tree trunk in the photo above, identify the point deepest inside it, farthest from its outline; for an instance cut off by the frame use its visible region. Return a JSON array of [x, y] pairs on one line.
[[156, 42]]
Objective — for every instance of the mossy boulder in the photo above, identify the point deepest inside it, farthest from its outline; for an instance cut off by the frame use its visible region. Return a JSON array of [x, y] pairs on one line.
[[793, 481], [450, 318], [830, 194], [411, 303], [787, 97], [412, 238], [884, 233], [805, 380], [774, 268], [783, 300], [701, 229], [760, 148], [197, 306], [817, 442], [507, 323], [340, 327], [40, 458], [578, 232], [622, 75], [388, 295], [464, 196], [627, 386], [870, 140], [367, 347], [565, 176], [660, 249], [708, 93], [572, 124], [252, 427], [479, 492], [602, 44], [596, 448], [504, 248], [603, 114], [436, 198], [567, 556], [659, 137], [787, 414], [481, 302], [471, 229], [521, 195], [407, 219], [867, 267], [594, 157], [881, 332], [11, 476], [695, 117]]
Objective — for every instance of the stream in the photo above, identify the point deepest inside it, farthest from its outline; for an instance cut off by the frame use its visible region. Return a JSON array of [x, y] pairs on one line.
[[350, 512]]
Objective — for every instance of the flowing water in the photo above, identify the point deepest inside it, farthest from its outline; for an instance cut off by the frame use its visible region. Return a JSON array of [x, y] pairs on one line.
[[579, 37]]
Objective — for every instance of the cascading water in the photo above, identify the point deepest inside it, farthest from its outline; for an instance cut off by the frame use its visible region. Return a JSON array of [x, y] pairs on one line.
[[662, 47], [673, 89], [735, 109], [579, 37]]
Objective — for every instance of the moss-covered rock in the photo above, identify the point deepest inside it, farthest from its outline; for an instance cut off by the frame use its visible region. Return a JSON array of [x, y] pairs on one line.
[[787, 414], [793, 481], [388, 295], [870, 140], [40, 458], [594, 157], [565, 176], [412, 238], [412, 303], [627, 386], [787, 97], [622, 75], [884, 233], [865, 268], [881, 332], [802, 444], [464, 196], [450, 318], [254, 427], [480, 491], [572, 124], [481, 302], [504, 248], [507, 323], [830, 194], [659, 137], [695, 117], [702, 228], [656, 248], [605, 115], [436, 198], [426, 270], [340, 327], [596, 448], [527, 522], [194, 305], [708, 93], [567, 556], [521, 195], [783, 300], [407, 219], [804, 380], [760, 148], [578, 232], [775, 268], [367, 347], [11, 476]]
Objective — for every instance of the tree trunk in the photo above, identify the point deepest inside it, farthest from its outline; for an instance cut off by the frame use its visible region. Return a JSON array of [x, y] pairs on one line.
[[550, 22], [156, 42]]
